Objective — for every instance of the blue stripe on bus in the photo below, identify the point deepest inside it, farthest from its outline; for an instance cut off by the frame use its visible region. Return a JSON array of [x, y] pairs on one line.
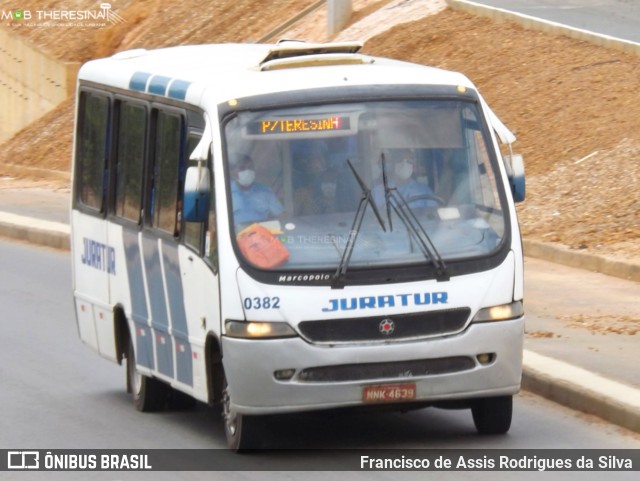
[[179, 328], [139, 81], [178, 89], [140, 314], [158, 85], [157, 301]]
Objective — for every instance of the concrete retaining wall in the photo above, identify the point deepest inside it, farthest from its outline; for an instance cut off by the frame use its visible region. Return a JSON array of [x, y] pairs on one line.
[[31, 83]]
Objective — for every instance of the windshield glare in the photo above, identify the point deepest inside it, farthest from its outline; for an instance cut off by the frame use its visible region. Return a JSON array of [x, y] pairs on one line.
[[295, 198]]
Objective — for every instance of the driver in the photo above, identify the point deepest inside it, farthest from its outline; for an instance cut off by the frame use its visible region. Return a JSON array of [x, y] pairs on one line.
[[252, 201], [400, 168]]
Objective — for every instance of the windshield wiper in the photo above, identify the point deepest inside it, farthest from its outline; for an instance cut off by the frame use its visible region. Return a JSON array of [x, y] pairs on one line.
[[338, 280], [396, 201], [387, 190]]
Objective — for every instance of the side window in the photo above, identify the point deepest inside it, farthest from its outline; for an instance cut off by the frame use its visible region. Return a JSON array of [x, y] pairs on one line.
[[92, 149], [211, 235], [193, 231], [166, 172], [132, 128], [201, 236], [484, 183]]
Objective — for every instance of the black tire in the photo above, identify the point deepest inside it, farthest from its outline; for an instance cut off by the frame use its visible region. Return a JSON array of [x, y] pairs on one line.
[[180, 401], [242, 432], [148, 394], [492, 415]]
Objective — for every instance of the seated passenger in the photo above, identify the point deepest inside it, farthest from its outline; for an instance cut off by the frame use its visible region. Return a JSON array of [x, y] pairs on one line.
[[252, 201], [400, 169], [317, 195]]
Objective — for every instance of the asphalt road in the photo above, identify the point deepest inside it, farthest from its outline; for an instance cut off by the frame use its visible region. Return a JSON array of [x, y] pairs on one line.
[[57, 394], [616, 18]]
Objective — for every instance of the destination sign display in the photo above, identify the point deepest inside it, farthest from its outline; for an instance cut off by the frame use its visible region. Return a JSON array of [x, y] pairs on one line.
[[297, 125]]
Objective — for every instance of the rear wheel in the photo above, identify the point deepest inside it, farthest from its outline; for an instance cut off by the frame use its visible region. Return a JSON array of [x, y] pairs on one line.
[[492, 415], [241, 431], [148, 394]]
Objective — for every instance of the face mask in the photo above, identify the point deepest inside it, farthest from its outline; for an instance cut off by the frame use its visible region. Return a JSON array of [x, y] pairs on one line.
[[246, 177], [328, 189], [403, 170]]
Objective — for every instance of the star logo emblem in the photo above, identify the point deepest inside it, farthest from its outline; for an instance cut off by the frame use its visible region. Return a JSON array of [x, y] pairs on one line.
[[386, 327]]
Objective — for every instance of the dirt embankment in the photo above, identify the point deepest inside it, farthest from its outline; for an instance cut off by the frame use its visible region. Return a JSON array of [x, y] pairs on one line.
[[572, 105], [574, 109], [154, 24]]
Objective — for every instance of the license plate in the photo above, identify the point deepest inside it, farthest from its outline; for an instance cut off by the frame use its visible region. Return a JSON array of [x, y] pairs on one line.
[[389, 393]]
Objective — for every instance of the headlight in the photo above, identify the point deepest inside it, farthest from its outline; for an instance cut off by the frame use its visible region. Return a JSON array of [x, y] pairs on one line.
[[503, 312], [258, 330]]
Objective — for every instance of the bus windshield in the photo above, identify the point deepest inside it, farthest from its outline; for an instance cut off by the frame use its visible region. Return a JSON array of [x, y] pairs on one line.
[[363, 185]]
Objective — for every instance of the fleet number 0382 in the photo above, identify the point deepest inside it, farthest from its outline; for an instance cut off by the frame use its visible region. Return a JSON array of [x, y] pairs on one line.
[[261, 303]]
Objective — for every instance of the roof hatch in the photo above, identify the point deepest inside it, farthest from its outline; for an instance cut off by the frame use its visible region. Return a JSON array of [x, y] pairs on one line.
[[292, 48]]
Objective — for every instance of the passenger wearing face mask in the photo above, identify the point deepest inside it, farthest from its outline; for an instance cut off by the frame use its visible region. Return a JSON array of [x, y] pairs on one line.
[[400, 169], [252, 201]]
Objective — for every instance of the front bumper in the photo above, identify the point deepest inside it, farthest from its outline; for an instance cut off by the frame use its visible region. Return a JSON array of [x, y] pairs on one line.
[[250, 365]]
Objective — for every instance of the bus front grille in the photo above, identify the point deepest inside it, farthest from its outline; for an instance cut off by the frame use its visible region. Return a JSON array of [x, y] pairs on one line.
[[386, 328]]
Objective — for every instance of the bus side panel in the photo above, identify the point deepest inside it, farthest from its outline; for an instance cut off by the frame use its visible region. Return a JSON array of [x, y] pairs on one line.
[[105, 333], [86, 326], [94, 264], [167, 306], [202, 310], [138, 312], [179, 329], [157, 301]]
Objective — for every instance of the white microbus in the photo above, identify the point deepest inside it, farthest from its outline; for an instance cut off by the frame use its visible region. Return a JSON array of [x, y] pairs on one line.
[[296, 227]]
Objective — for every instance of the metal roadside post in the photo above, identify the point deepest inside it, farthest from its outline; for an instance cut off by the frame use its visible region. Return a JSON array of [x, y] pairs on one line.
[[338, 14]]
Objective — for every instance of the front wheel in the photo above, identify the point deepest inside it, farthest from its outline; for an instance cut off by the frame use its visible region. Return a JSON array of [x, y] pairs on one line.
[[241, 431], [148, 394], [492, 415]]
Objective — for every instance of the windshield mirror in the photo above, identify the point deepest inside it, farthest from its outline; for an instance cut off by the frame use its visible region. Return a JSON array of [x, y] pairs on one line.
[[294, 196]]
